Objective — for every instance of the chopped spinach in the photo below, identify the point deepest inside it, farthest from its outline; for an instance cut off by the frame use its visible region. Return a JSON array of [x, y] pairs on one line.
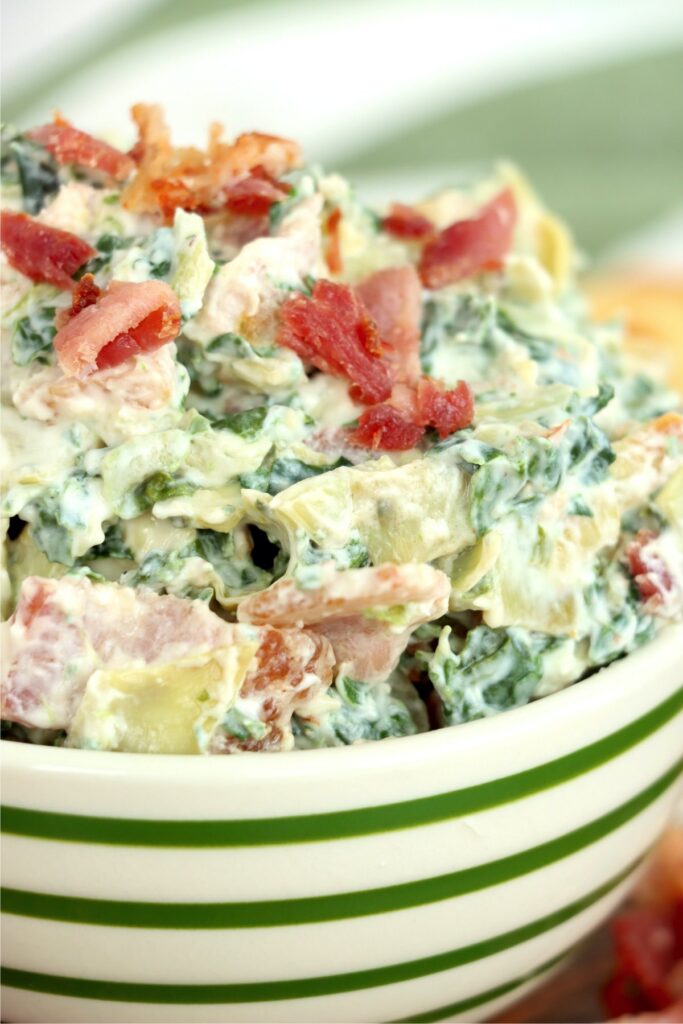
[[160, 486], [277, 474], [490, 671], [247, 424], [33, 335], [30, 165]]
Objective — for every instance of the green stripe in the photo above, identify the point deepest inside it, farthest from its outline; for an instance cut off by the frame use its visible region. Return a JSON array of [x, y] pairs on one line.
[[446, 1012], [339, 824], [304, 988], [316, 909]]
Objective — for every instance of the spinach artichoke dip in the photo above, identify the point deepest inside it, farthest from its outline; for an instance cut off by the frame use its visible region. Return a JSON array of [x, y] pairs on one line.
[[283, 471]]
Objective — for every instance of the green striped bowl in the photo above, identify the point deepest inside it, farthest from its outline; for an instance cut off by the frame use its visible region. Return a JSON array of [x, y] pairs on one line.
[[419, 879]]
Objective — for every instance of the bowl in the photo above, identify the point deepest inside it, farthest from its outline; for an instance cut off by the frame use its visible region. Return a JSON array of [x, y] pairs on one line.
[[417, 879]]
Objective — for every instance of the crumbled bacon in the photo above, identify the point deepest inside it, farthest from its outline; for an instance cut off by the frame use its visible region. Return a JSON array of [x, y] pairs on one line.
[[445, 410], [386, 429], [406, 223], [651, 575], [69, 145], [86, 293], [393, 297], [332, 331], [333, 256], [194, 179], [253, 195], [470, 246], [40, 252], [126, 319], [291, 666]]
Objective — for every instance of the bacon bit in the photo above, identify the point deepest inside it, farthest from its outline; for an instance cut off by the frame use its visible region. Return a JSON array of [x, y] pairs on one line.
[[86, 293], [470, 246], [384, 428], [393, 297], [645, 943], [69, 145], [333, 331], [446, 411], [41, 252], [406, 223], [333, 256], [126, 319], [254, 195], [169, 177], [650, 574]]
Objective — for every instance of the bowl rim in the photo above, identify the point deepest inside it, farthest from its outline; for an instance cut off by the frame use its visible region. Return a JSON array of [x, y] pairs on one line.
[[615, 682]]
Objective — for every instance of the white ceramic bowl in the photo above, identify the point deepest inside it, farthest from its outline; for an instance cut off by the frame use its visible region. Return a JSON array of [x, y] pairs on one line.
[[423, 878]]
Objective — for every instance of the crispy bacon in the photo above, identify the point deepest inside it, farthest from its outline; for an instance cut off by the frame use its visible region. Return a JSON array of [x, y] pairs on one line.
[[253, 195], [86, 293], [406, 223], [126, 319], [393, 297], [290, 668], [386, 429], [470, 246], [333, 256], [446, 411], [332, 331], [69, 145], [194, 179], [41, 252], [651, 575]]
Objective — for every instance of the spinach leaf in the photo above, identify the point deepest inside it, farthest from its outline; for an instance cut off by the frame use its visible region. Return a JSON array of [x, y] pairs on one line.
[[31, 166], [57, 513], [32, 337], [277, 474], [247, 424], [493, 670], [160, 486]]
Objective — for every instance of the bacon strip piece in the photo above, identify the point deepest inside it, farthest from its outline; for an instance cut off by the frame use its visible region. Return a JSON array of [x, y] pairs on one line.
[[253, 195], [333, 256], [470, 246], [128, 318], [69, 145], [385, 428], [86, 293], [64, 630], [406, 223], [393, 298], [40, 252], [333, 331], [194, 179], [291, 667], [346, 608], [650, 574], [446, 411]]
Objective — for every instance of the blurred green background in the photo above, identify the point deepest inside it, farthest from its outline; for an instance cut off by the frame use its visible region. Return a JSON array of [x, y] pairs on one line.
[[586, 96]]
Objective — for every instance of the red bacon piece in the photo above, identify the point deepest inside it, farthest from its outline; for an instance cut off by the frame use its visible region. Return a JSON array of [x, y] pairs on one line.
[[446, 411], [69, 145], [333, 331], [393, 297], [384, 428], [41, 252], [651, 575], [406, 223], [470, 246], [254, 195], [645, 943], [333, 256], [127, 318], [86, 293]]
